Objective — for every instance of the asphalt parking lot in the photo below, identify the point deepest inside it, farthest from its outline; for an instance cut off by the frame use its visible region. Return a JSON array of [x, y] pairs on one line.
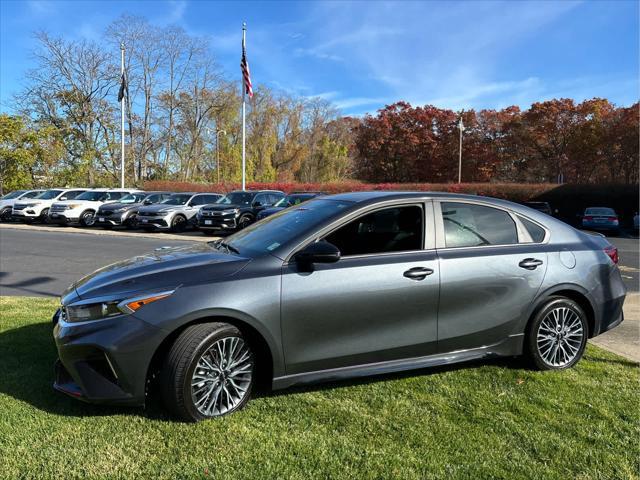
[[36, 262], [43, 261]]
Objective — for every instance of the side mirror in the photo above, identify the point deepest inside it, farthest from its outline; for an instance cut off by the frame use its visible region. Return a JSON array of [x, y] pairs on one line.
[[318, 252], [147, 202], [62, 199], [257, 204]]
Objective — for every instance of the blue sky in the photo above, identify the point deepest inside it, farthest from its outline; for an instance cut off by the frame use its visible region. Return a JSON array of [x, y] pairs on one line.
[[363, 55]]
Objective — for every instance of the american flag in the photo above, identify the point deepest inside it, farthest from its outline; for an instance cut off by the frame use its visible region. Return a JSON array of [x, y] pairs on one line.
[[246, 75]]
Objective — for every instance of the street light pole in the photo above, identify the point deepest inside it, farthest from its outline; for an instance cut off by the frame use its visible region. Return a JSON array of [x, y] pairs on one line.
[[461, 128]]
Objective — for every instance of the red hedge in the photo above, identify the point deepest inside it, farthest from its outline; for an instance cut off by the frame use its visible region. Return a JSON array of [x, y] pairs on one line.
[[512, 191]]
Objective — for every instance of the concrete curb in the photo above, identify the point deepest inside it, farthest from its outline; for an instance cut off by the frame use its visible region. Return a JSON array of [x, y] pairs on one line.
[[189, 236], [624, 340]]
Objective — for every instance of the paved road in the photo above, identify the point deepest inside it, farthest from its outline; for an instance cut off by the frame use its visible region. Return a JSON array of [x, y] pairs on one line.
[[39, 263]]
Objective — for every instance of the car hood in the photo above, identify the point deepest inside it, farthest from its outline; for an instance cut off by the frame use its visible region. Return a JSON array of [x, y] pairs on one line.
[[219, 207], [109, 207], [159, 207], [164, 268]]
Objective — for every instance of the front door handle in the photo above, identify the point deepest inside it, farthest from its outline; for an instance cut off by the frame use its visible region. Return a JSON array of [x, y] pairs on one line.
[[418, 273], [530, 263]]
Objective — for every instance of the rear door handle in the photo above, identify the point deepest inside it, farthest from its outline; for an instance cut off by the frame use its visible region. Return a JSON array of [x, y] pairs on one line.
[[418, 273], [530, 263]]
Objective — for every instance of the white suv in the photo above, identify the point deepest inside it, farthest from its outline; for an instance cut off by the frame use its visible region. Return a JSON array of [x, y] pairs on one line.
[[83, 208], [6, 202], [37, 208]]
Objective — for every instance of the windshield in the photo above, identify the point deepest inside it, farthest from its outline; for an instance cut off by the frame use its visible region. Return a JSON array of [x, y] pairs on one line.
[[49, 194], [599, 211], [91, 196], [132, 198], [236, 198], [178, 199], [278, 229], [11, 195]]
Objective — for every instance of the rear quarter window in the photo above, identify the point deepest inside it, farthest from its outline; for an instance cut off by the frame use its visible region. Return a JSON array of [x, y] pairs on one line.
[[536, 232]]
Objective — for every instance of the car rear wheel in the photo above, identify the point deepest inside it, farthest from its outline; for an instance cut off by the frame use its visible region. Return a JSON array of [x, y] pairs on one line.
[[558, 335], [87, 219], [5, 215], [208, 372]]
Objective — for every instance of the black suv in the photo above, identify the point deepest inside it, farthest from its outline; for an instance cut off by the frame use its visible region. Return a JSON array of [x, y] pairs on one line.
[[236, 210]]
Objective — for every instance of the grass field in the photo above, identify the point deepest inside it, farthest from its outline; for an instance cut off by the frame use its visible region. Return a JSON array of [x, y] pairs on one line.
[[480, 420]]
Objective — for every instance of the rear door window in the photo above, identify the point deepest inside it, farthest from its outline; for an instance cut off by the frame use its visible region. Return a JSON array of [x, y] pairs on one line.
[[536, 232], [471, 225]]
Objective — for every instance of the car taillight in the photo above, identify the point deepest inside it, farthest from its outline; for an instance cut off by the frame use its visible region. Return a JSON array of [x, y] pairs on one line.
[[613, 219], [612, 252], [587, 218]]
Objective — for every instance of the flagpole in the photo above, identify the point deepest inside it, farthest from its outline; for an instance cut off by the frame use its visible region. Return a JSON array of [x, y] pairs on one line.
[[122, 118], [244, 90]]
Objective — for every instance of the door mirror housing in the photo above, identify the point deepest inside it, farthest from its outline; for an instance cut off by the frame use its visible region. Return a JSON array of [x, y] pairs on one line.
[[147, 202], [62, 199], [257, 204], [318, 252]]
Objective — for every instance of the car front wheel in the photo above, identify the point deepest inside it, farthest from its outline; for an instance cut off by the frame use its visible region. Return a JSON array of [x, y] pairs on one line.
[[87, 219], [208, 372], [557, 335]]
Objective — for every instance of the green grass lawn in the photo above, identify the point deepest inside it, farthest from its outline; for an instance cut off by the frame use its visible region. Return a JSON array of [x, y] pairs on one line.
[[480, 420]]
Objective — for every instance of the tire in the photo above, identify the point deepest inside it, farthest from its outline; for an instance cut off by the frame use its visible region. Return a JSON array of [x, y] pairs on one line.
[[44, 216], [131, 223], [244, 221], [87, 219], [5, 215], [178, 224], [184, 360], [560, 319]]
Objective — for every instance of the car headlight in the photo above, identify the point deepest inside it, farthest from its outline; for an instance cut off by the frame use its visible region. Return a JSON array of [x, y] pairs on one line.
[[73, 205], [110, 308], [29, 205], [230, 210]]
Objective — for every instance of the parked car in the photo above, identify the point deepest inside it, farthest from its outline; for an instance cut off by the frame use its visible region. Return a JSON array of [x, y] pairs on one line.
[[601, 219], [82, 209], [236, 210], [37, 208], [7, 201], [175, 212], [543, 207], [124, 212], [290, 200], [340, 286]]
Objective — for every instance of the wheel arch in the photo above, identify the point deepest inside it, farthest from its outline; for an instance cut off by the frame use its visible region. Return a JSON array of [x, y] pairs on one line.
[[266, 357], [571, 291]]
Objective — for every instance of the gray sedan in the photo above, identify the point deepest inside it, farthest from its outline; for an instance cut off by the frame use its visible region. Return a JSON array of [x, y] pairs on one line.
[[340, 286]]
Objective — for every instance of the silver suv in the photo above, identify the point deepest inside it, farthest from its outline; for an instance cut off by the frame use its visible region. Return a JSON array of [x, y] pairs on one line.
[[175, 212]]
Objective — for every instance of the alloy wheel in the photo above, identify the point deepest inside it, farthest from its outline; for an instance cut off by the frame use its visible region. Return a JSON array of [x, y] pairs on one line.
[[222, 377], [560, 336]]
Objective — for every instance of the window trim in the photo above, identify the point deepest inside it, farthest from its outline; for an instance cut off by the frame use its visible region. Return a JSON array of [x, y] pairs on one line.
[[428, 240], [521, 231]]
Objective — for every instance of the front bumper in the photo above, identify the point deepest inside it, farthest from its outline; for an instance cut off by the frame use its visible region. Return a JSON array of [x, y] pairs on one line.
[[217, 221], [105, 361], [112, 219], [64, 217], [29, 213], [160, 222]]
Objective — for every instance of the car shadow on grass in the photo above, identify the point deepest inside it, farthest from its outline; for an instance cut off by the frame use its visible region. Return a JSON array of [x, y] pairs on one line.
[[26, 374]]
